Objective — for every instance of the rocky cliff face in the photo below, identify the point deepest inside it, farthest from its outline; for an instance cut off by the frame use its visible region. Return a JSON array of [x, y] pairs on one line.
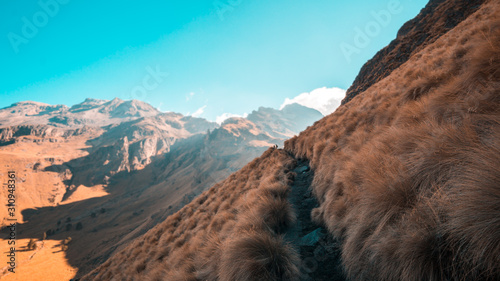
[[123, 135], [140, 140], [437, 18], [41, 131]]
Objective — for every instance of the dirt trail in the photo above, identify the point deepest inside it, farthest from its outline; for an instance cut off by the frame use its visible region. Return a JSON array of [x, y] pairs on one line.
[[319, 251]]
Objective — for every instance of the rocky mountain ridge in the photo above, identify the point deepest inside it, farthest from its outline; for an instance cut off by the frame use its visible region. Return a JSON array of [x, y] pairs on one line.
[[436, 19], [90, 112]]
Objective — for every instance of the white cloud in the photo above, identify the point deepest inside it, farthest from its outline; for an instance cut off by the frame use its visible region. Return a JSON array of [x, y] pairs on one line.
[[221, 118], [159, 106], [325, 100], [189, 96], [199, 111]]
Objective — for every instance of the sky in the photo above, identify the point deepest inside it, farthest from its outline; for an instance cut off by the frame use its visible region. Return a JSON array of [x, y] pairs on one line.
[[203, 58]]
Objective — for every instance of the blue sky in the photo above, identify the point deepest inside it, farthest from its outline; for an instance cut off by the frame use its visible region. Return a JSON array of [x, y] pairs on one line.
[[227, 56]]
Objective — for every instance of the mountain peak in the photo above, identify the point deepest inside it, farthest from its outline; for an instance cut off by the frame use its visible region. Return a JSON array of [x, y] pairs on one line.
[[284, 123], [93, 101], [89, 112], [298, 107], [34, 103]]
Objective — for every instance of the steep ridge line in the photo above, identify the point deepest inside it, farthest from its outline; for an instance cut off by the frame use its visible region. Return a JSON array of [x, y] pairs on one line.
[[407, 174], [436, 19]]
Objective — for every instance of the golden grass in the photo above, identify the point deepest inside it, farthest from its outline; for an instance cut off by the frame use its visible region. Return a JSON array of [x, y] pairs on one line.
[[82, 193], [408, 176], [35, 187], [47, 262], [203, 239]]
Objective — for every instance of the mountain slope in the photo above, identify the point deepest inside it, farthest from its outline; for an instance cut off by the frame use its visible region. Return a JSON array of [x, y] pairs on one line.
[[437, 18], [172, 250], [406, 176], [116, 173]]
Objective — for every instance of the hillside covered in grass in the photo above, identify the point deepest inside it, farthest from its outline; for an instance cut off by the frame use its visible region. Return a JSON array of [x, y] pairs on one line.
[[400, 183], [106, 172]]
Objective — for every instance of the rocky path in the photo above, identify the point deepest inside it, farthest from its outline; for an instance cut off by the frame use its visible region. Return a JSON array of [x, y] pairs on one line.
[[319, 251]]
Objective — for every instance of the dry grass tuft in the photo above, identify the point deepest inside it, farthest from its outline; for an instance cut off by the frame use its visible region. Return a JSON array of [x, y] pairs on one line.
[[409, 177], [254, 256]]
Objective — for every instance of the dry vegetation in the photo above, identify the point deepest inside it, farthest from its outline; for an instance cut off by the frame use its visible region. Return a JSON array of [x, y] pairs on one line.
[[408, 173], [35, 187], [230, 232], [45, 262]]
